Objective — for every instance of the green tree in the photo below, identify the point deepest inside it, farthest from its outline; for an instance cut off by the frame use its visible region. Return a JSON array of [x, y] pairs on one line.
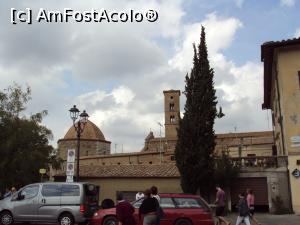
[[225, 170], [24, 142], [196, 136]]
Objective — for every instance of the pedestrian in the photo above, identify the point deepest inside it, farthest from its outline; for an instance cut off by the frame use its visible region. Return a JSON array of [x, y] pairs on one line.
[[159, 211], [250, 202], [7, 193], [124, 211], [220, 206], [154, 193], [148, 209], [243, 210], [139, 195], [13, 190]]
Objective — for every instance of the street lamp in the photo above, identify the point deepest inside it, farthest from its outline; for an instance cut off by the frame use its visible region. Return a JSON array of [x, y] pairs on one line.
[[79, 127]]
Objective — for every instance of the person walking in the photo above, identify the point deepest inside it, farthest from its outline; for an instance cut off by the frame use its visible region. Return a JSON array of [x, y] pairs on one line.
[[148, 209], [250, 202], [220, 203], [124, 211], [159, 211], [243, 210]]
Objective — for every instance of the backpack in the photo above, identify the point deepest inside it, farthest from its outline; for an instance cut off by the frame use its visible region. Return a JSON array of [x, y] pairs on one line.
[[243, 208]]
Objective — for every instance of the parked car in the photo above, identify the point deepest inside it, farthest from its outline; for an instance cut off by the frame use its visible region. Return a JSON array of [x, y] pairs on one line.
[[179, 209], [65, 203]]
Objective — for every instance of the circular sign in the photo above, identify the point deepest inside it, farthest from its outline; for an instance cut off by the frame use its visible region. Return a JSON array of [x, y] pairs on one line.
[[70, 167]]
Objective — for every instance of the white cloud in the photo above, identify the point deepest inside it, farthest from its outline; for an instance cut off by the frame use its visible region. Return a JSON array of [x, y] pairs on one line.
[[123, 95], [118, 72], [297, 33], [288, 3]]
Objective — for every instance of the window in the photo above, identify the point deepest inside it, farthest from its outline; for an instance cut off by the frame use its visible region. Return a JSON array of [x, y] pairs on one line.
[[172, 157], [172, 107], [30, 192], [171, 97], [51, 190], [70, 190], [167, 203], [172, 119], [187, 203]]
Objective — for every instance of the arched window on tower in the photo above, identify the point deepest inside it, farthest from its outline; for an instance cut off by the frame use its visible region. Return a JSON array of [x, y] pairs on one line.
[[172, 119], [172, 107]]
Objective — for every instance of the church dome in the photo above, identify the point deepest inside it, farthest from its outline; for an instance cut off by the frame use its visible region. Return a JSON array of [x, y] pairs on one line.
[[90, 132]]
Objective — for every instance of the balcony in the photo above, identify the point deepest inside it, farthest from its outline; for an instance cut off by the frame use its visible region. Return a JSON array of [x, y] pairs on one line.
[[261, 162]]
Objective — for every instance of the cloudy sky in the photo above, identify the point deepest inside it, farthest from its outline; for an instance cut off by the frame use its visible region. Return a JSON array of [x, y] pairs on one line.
[[118, 71]]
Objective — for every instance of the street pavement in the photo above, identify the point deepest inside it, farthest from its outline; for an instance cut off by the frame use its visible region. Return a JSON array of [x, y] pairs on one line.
[[270, 219]]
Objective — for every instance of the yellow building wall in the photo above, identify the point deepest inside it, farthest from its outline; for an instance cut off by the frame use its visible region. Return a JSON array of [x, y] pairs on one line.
[[108, 187], [288, 67]]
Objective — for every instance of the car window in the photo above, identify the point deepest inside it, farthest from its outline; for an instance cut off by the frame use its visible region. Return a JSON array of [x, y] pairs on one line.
[[30, 192], [137, 203], [187, 203], [51, 190], [70, 190], [167, 203]]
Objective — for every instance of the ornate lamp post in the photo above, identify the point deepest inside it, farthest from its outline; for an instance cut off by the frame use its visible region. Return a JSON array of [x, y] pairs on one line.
[[79, 127]]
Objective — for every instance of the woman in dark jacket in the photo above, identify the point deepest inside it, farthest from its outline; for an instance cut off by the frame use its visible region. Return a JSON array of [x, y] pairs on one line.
[[148, 209]]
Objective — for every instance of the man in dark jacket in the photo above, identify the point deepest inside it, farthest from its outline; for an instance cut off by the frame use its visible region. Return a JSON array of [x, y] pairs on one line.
[[124, 211], [243, 210]]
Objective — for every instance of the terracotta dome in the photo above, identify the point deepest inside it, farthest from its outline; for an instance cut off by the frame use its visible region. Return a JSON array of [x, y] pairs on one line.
[[91, 132]]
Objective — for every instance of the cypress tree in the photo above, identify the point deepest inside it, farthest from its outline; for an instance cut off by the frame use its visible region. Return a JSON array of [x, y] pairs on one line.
[[196, 136]]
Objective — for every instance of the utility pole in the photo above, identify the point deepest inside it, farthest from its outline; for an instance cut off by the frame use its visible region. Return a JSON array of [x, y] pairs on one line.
[[160, 147]]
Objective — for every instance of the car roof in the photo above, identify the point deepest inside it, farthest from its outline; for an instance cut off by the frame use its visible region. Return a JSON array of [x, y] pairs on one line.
[[178, 195]]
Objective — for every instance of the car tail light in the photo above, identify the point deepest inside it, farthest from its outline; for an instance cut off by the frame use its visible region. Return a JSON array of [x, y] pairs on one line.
[[82, 208]]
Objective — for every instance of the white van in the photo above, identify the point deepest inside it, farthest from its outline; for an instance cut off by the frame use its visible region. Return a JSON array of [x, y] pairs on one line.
[[65, 203]]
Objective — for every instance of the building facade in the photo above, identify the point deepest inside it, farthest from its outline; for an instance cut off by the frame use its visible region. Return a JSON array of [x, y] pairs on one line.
[[282, 96]]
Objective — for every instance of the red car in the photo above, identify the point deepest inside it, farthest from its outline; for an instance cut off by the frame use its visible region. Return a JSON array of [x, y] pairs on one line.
[[179, 209]]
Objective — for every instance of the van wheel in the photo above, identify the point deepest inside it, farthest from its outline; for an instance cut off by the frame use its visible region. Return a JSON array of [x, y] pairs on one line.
[[6, 218], [183, 222], [110, 220], [66, 219]]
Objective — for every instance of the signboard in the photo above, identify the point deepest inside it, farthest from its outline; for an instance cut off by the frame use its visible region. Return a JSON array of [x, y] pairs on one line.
[[296, 173], [69, 179], [70, 165], [295, 141], [71, 155]]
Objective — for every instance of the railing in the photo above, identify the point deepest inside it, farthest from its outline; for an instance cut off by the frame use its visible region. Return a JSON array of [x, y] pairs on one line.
[[261, 161]]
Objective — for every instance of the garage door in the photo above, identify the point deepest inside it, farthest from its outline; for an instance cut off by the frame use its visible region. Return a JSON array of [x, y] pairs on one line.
[[257, 184]]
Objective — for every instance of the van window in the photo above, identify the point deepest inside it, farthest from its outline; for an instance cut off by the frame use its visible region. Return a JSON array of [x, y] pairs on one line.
[[70, 190], [30, 192], [51, 190]]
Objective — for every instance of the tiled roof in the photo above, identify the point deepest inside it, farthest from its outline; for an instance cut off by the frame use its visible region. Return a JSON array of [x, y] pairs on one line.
[[129, 171]]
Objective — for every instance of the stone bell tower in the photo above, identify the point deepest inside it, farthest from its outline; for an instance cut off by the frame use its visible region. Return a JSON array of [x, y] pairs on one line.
[[172, 113]]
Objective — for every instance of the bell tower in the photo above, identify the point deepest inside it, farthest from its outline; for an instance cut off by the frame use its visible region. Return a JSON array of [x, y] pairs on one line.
[[172, 112]]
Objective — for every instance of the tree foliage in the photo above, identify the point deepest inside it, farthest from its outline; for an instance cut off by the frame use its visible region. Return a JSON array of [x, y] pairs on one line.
[[196, 136], [24, 142], [225, 170]]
